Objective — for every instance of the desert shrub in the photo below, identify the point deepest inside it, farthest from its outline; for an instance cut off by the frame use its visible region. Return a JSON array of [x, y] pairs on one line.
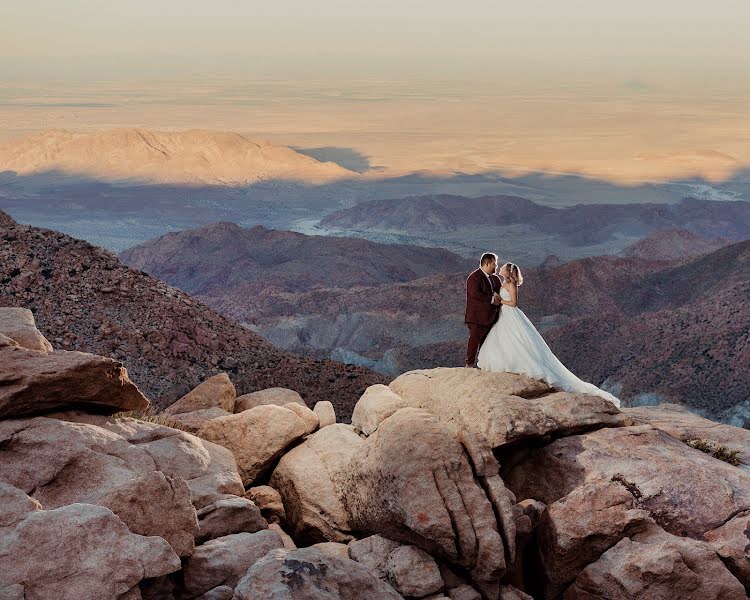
[[720, 451]]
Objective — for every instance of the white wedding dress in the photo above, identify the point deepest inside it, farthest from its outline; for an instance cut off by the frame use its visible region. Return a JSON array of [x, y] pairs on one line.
[[514, 345]]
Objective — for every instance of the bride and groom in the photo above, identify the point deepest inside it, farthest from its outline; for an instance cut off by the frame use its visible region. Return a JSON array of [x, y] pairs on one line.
[[501, 337]]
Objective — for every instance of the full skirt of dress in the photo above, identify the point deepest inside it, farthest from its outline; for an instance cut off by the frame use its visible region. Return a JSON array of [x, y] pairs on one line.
[[514, 345]]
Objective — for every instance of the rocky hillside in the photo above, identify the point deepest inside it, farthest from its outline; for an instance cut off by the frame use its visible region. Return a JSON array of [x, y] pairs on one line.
[[226, 260], [448, 484], [194, 156], [85, 299], [579, 225], [683, 335]]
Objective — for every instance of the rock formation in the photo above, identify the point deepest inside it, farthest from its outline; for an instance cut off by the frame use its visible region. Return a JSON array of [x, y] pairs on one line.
[[216, 392], [43, 551], [451, 484]]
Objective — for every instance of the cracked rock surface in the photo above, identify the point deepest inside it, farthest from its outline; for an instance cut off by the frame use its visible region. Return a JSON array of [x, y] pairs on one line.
[[684, 490], [54, 543]]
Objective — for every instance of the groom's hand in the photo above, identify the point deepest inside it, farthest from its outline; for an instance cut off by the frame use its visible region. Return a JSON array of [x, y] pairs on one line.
[[495, 298]]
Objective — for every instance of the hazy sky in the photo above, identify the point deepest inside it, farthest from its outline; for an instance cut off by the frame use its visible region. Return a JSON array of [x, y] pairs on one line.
[[388, 34], [625, 90]]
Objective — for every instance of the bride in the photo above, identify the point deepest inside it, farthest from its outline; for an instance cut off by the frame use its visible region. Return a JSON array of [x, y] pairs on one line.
[[514, 345]]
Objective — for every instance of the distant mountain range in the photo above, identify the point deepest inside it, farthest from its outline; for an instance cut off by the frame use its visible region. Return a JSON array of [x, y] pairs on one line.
[[139, 155], [649, 324], [579, 225], [121, 187], [84, 299]]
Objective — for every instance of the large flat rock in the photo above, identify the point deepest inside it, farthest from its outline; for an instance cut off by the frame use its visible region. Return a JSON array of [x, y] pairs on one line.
[[501, 408], [679, 422], [36, 382]]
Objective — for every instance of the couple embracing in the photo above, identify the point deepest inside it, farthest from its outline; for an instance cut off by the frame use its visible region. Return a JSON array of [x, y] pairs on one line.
[[501, 337]]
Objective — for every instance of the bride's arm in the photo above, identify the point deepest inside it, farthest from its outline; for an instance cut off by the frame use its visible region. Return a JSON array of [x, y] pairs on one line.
[[513, 291]]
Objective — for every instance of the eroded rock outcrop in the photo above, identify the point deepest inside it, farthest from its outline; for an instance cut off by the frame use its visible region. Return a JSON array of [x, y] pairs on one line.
[[307, 478], [19, 324], [61, 463], [278, 396], [577, 529], [151, 476], [679, 422], [586, 500], [209, 470], [43, 550], [433, 500], [685, 491], [308, 574], [502, 408], [37, 381], [731, 542], [216, 392], [657, 565], [256, 437]]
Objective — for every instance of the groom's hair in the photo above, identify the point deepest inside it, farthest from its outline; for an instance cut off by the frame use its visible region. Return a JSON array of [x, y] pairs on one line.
[[487, 258]]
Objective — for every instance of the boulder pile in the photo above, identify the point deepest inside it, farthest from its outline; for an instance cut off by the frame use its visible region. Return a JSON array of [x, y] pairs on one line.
[[448, 484]]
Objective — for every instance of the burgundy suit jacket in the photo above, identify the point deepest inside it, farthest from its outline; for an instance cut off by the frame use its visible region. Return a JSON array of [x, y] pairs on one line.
[[479, 309]]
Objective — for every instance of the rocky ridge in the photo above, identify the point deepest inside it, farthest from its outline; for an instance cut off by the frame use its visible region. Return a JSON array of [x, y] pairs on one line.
[[578, 225], [673, 244], [224, 259], [84, 299], [449, 483]]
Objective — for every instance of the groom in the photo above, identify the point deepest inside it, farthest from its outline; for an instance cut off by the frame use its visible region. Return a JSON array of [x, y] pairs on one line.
[[482, 304]]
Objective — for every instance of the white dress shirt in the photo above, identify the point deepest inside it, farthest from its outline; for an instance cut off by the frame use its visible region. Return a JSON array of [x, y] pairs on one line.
[[492, 289]]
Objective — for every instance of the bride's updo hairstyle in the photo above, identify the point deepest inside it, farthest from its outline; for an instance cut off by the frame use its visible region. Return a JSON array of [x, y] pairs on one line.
[[514, 273]]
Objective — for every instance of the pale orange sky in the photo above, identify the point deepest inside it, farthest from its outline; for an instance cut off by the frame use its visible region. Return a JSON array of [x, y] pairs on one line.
[[625, 91], [391, 31]]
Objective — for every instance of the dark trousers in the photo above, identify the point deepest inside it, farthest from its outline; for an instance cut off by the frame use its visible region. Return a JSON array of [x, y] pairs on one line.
[[477, 334]]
